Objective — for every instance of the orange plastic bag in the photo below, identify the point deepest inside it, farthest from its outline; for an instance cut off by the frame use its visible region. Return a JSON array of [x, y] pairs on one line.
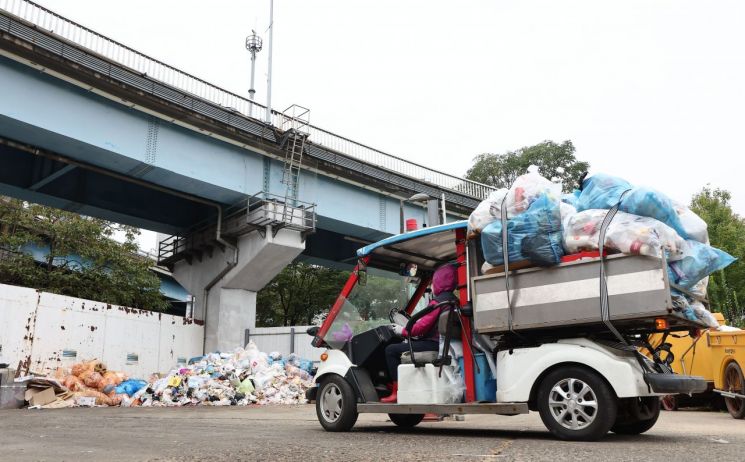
[[91, 379], [111, 378], [73, 383]]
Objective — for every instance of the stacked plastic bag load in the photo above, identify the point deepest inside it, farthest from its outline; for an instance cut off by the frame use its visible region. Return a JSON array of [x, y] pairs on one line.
[[534, 213], [648, 223]]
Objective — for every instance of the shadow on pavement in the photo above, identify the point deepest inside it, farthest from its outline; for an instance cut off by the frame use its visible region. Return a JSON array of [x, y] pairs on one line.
[[511, 434]]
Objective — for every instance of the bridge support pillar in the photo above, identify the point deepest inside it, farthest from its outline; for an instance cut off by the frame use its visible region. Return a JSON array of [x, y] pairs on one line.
[[231, 299]]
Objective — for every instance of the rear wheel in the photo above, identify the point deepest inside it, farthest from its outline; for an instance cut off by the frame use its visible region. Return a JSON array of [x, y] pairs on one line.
[[576, 404], [734, 383], [639, 415], [336, 404], [406, 420]]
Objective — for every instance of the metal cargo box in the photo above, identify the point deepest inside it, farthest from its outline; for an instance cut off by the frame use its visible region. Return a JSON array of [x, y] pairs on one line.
[[569, 295]]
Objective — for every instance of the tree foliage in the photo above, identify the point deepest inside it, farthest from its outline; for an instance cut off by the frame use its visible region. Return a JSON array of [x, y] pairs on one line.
[[553, 160], [302, 291], [83, 259], [297, 294], [727, 232]]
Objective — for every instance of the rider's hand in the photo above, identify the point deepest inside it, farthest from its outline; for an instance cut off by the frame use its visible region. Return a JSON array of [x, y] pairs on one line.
[[398, 330]]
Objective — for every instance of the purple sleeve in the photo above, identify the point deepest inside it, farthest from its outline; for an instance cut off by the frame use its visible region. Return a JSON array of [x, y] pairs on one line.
[[424, 325]]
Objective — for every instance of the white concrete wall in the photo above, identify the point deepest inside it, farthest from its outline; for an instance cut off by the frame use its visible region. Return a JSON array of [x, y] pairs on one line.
[[270, 339], [36, 327]]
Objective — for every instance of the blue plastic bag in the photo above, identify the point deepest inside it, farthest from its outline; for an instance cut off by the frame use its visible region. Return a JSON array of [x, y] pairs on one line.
[[130, 387], [571, 198], [601, 191], [604, 191], [534, 235], [699, 260]]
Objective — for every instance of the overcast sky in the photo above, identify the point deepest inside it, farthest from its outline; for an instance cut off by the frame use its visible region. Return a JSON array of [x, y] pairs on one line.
[[650, 91]]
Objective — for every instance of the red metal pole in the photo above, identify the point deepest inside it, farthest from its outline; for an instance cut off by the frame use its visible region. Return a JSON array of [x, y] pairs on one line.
[[468, 377], [339, 303]]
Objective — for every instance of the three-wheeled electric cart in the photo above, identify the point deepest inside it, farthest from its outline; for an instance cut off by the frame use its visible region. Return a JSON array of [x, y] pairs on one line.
[[563, 341]]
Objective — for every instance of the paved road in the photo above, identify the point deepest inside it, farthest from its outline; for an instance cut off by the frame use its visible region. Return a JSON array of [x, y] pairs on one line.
[[292, 433]]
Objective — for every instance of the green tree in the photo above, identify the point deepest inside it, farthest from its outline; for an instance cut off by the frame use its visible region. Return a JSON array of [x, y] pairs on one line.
[[727, 232], [83, 259], [553, 160], [298, 293]]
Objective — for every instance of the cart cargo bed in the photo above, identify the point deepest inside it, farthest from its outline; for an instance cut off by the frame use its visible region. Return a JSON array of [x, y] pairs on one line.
[[567, 297]]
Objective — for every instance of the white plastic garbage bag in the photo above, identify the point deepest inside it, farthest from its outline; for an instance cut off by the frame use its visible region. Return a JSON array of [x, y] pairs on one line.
[[693, 225], [526, 189], [487, 211], [627, 233]]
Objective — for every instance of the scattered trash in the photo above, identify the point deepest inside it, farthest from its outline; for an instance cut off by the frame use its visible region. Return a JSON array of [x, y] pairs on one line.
[[246, 376]]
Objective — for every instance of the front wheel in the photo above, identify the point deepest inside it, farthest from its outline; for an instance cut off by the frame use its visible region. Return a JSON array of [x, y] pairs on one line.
[[639, 415], [734, 383], [576, 404], [336, 404], [406, 420]]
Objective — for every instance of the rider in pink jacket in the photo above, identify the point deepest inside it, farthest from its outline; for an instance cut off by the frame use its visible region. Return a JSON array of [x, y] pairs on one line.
[[424, 331]]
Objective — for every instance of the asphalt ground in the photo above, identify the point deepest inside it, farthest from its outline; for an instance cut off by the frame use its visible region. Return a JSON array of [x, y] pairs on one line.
[[272, 433]]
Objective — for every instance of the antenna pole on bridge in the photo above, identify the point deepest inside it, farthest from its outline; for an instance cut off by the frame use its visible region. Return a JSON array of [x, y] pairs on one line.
[[253, 45], [269, 66]]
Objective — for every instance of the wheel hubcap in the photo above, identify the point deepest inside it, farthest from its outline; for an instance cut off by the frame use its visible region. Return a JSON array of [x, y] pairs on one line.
[[331, 402], [573, 404]]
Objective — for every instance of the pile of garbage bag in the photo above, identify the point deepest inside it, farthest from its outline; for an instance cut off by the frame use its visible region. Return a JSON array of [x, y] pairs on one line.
[[246, 376], [543, 225], [243, 377], [91, 379]]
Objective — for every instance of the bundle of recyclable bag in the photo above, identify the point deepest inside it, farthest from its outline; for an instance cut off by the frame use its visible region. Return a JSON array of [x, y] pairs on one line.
[[523, 192], [627, 233], [695, 262], [693, 225], [533, 235], [602, 191], [487, 211], [527, 189], [693, 310], [571, 198]]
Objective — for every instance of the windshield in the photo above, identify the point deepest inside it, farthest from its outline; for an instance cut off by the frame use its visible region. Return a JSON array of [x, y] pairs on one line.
[[369, 306]]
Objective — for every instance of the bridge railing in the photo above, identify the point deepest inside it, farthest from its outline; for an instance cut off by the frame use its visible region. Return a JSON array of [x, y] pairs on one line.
[[151, 67]]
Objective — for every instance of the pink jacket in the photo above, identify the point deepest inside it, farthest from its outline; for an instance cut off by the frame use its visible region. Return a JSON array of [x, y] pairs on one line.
[[444, 281]]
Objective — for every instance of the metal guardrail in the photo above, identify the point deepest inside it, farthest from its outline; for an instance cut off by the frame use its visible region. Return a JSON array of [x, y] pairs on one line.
[[143, 64]]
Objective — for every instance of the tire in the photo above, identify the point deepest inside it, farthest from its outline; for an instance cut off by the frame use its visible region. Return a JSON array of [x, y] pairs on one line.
[[563, 393], [336, 404], [734, 383], [669, 402], [648, 407], [406, 420]]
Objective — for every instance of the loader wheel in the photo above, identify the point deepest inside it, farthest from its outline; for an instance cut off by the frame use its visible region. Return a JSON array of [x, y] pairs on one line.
[[406, 420], [734, 383], [336, 404], [640, 415], [576, 404]]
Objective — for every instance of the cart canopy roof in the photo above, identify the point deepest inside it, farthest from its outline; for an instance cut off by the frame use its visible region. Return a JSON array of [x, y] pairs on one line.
[[428, 248]]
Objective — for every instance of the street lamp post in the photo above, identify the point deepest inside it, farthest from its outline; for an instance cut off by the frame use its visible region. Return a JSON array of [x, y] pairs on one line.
[[430, 205]]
